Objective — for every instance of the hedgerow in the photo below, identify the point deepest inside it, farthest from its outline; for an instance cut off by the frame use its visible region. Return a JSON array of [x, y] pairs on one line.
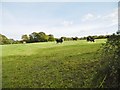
[[108, 70]]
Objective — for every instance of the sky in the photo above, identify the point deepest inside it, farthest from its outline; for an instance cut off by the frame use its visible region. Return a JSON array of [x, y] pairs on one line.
[[68, 19]]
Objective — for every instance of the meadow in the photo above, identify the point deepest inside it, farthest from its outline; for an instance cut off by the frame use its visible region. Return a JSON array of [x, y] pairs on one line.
[[50, 65]]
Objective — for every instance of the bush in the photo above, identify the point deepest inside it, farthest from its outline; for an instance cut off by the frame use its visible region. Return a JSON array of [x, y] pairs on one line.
[[108, 71]]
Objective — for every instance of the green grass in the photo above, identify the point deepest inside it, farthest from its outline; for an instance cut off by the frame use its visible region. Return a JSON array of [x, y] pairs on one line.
[[49, 65]]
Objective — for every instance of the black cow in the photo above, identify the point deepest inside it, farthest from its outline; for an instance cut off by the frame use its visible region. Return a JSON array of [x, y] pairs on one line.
[[74, 39], [60, 40], [91, 39]]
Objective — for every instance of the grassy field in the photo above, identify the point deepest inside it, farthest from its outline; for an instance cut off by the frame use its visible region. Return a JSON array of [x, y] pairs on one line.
[[49, 65]]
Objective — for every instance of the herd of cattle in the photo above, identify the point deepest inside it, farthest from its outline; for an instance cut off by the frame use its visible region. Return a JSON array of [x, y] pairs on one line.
[[89, 39]]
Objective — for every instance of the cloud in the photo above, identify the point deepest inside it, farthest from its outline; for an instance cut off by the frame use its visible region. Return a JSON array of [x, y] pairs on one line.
[[111, 18], [67, 23], [107, 19], [92, 24], [90, 17]]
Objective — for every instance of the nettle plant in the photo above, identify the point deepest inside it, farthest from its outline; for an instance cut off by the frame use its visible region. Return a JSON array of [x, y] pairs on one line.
[[108, 70]]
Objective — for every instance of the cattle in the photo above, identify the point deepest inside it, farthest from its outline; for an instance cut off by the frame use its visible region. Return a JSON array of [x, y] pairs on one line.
[[91, 39], [60, 40], [74, 39]]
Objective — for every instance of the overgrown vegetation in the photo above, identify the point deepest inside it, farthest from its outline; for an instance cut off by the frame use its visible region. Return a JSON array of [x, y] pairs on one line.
[[108, 70]]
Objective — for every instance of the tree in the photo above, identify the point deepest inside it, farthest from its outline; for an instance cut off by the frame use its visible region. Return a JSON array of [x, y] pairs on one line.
[[43, 37], [38, 37], [4, 40], [31, 39], [35, 37], [25, 38], [51, 37], [11, 41]]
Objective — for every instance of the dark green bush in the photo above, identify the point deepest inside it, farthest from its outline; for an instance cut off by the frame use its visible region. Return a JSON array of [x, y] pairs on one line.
[[108, 70]]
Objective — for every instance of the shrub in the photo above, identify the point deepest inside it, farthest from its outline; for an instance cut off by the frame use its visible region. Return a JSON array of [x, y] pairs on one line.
[[108, 71]]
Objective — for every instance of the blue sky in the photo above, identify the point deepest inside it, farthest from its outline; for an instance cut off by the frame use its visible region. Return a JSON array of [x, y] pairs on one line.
[[60, 19]]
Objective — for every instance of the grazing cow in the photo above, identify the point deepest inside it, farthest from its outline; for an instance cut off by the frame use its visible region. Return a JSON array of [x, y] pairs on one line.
[[90, 39], [74, 39], [60, 40]]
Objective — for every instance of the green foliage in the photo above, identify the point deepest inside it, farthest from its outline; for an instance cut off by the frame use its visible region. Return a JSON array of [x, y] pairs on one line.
[[17, 42], [25, 38], [96, 37], [4, 40], [108, 71], [51, 37], [31, 38], [11, 41], [67, 38], [43, 37], [40, 37]]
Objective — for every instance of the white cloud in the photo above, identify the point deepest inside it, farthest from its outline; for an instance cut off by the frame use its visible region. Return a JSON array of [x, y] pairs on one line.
[[90, 17], [107, 19], [111, 18], [67, 23]]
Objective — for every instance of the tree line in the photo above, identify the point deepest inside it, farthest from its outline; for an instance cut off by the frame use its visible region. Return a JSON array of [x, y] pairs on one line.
[[5, 40], [37, 37], [31, 38], [42, 37]]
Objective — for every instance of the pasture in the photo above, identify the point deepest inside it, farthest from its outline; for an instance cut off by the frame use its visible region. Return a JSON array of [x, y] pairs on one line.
[[50, 65]]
